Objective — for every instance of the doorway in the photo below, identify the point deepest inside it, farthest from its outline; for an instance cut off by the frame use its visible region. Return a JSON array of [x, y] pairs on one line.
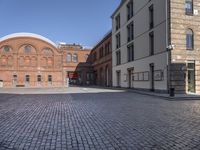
[[107, 76], [130, 72], [152, 86], [14, 80], [191, 77], [118, 73], [27, 80]]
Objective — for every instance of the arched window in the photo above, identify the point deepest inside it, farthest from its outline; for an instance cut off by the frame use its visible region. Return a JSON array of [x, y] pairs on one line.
[[189, 7], [27, 49], [189, 39], [75, 58], [69, 57]]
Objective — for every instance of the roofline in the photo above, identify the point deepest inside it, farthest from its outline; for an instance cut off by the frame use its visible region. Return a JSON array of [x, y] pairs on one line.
[[122, 2], [102, 39], [25, 34]]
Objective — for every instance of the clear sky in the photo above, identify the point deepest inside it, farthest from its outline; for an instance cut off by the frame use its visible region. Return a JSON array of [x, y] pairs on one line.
[[72, 21]]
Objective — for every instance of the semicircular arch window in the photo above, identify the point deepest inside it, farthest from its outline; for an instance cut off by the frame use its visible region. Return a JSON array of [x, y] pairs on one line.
[[27, 49]]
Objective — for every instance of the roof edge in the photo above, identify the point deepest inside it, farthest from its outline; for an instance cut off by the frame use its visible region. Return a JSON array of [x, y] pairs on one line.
[[26, 34]]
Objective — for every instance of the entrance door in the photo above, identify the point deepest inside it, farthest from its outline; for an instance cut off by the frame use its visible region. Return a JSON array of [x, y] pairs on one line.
[[130, 71], [118, 78], [106, 75], [191, 76], [152, 88], [14, 80]]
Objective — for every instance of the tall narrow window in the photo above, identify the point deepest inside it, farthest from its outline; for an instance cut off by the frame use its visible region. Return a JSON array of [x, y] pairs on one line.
[[151, 43], [189, 7], [118, 58], [151, 17], [118, 41], [117, 22], [69, 57], [189, 39], [130, 50], [130, 32], [130, 10], [75, 58]]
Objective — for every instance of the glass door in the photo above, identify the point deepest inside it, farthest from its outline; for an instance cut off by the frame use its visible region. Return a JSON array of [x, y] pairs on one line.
[[191, 76]]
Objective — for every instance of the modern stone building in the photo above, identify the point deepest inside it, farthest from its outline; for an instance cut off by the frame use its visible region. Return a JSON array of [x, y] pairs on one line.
[[30, 60], [155, 45], [101, 56]]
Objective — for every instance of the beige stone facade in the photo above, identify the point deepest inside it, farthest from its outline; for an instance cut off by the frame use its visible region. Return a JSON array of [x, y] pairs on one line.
[[180, 55]]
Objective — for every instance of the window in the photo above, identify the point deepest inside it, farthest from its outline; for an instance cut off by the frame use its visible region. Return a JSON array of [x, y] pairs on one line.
[[69, 57], [189, 7], [130, 32], [47, 51], [6, 49], [130, 50], [101, 52], [75, 58], [117, 21], [107, 48], [94, 56], [27, 78], [27, 49], [189, 39], [118, 41], [39, 78], [49, 78], [151, 17], [130, 10], [151, 43], [118, 58]]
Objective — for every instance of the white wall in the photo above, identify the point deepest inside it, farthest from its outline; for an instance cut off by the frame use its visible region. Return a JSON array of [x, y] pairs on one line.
[[141, 42]]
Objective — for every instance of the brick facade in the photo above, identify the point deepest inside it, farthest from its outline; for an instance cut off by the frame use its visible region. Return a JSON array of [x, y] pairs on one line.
[[31, 61], [102, 61]]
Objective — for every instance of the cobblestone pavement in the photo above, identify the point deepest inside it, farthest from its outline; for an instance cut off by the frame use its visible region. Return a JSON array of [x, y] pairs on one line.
[[82, 121]]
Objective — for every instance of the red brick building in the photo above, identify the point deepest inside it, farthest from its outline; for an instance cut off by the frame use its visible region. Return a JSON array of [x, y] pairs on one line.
[[102, 61], [30, 60]]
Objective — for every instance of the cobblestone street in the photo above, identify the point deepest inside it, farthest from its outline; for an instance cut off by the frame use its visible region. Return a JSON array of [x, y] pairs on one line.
[[102, 120]]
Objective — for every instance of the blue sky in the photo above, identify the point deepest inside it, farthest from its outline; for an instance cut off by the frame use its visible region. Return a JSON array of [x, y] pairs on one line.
[[72, 21]]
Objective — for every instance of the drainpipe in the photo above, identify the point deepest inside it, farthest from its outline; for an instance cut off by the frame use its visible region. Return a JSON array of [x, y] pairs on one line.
[[168, 42]]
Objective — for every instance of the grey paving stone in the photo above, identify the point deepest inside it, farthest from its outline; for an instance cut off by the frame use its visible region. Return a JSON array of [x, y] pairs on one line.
[[96, 120]]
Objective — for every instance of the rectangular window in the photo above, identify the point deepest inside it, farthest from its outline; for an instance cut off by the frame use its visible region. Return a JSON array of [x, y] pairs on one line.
[[49, 78], [130, 32], [130, 50], [151, 17], [189, 7], [27, 78], [117, 22], [118, 41], [101, 52], [118, 58], [151, 43], [39, 78], [94, 56], [130, 10]]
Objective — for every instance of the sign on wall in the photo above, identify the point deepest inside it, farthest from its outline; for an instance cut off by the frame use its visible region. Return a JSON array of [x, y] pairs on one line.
[[158, 75]]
